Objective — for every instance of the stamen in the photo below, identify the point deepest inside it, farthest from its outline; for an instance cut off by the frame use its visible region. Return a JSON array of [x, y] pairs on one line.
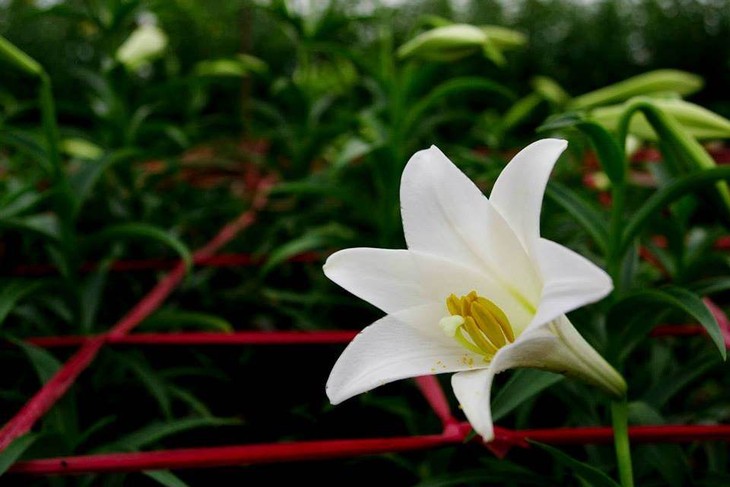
[[477, 324], [454, 305], [488, 324], [478, 338], [500, 317]]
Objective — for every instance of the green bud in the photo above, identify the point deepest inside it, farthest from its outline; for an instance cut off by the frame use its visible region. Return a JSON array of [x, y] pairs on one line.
[[504, 38], [81, 148], [652, 83], [696, 120], [550, 90], [239, 66], [145, 44], [456, 41], [447, 43]]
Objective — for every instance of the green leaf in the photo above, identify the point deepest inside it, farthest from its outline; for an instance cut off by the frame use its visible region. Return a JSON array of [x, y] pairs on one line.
[[585, 213], [179, 320], [680, 143], [20, 201], [682, 300], [45, 364], [43, 224], [19, 59], [448, 88], [672, 192], [524, 384], [314, 239], [588, 473], [610, 153], [146, 231], [14, 292], [14, 451], [88, 173], [158, 431], [670, 385], [165, 477]]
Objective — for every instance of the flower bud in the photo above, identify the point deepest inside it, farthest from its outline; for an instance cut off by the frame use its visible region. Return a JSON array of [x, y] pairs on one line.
[[652, 83], [456, 41], [145, 44], [696, 120]]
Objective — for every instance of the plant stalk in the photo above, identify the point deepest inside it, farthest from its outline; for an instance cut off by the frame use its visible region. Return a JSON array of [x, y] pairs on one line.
[[620, 421]]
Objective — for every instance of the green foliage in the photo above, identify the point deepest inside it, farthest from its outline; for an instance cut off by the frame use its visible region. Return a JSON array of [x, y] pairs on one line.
[[103, 159]]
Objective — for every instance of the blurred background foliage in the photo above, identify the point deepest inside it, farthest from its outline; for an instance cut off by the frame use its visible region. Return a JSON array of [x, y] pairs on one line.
[[160, 148]]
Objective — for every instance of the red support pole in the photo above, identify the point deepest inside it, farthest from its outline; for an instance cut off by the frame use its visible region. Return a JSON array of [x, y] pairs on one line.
[[229, 455], [57, 386], [209, 338]]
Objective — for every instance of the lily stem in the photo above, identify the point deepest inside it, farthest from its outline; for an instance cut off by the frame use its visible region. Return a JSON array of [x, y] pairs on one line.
[[620, 420]]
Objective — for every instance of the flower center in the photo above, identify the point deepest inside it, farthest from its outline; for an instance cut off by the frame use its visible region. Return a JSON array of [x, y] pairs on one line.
[[477, 324]]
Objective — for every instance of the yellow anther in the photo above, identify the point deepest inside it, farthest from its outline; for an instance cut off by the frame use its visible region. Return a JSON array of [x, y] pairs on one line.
[[487, 324], [500, 317], [454, 305], [479, 338], [477, 324]]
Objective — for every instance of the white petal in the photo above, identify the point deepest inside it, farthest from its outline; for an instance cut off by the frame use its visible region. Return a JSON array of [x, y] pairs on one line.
[[388, 279], [445, 214], [473, 389], [558, 347], [518, 192], [389, 350], [570, 281], [442, 277]]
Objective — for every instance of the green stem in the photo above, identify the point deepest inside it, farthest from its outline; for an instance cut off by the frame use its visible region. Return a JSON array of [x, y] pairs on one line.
[[620, 420], [618, 201]]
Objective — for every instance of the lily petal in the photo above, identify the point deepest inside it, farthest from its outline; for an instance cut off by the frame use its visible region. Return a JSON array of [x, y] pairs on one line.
[[445, 214], [570, 281], [473, 389], [390, 350], [519, 189], [388, 279], [442, 277], [558, 347]]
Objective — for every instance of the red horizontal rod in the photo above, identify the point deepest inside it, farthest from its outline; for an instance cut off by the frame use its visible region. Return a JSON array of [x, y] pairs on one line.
[[208, 338], [62, 380], [322, 337], [638, 434], [224, 456], [221, 260]]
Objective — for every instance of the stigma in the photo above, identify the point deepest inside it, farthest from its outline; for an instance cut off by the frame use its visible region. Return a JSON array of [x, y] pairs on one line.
[[477, 324]]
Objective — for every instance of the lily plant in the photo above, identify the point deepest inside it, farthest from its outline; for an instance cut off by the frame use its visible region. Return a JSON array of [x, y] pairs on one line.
[[478, 290]]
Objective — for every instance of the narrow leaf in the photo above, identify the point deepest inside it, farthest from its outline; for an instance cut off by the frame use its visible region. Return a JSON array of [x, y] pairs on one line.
[[165, 477], [146, 231], [588, 473], [14, 451], [686, 301], [587, 215], [524, 384]]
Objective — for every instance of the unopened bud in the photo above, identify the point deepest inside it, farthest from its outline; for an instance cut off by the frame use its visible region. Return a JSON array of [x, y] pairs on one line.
[[647, 84], [145, 44]]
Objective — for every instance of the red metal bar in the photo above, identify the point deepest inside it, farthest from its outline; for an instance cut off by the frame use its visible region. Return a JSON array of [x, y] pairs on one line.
[[57, 386], [434, 394], [209, 338], [230, 455], [50, 392], [212, 457]]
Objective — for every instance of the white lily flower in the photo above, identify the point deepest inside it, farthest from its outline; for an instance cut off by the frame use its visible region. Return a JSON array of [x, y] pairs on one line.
[[478, 291]]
